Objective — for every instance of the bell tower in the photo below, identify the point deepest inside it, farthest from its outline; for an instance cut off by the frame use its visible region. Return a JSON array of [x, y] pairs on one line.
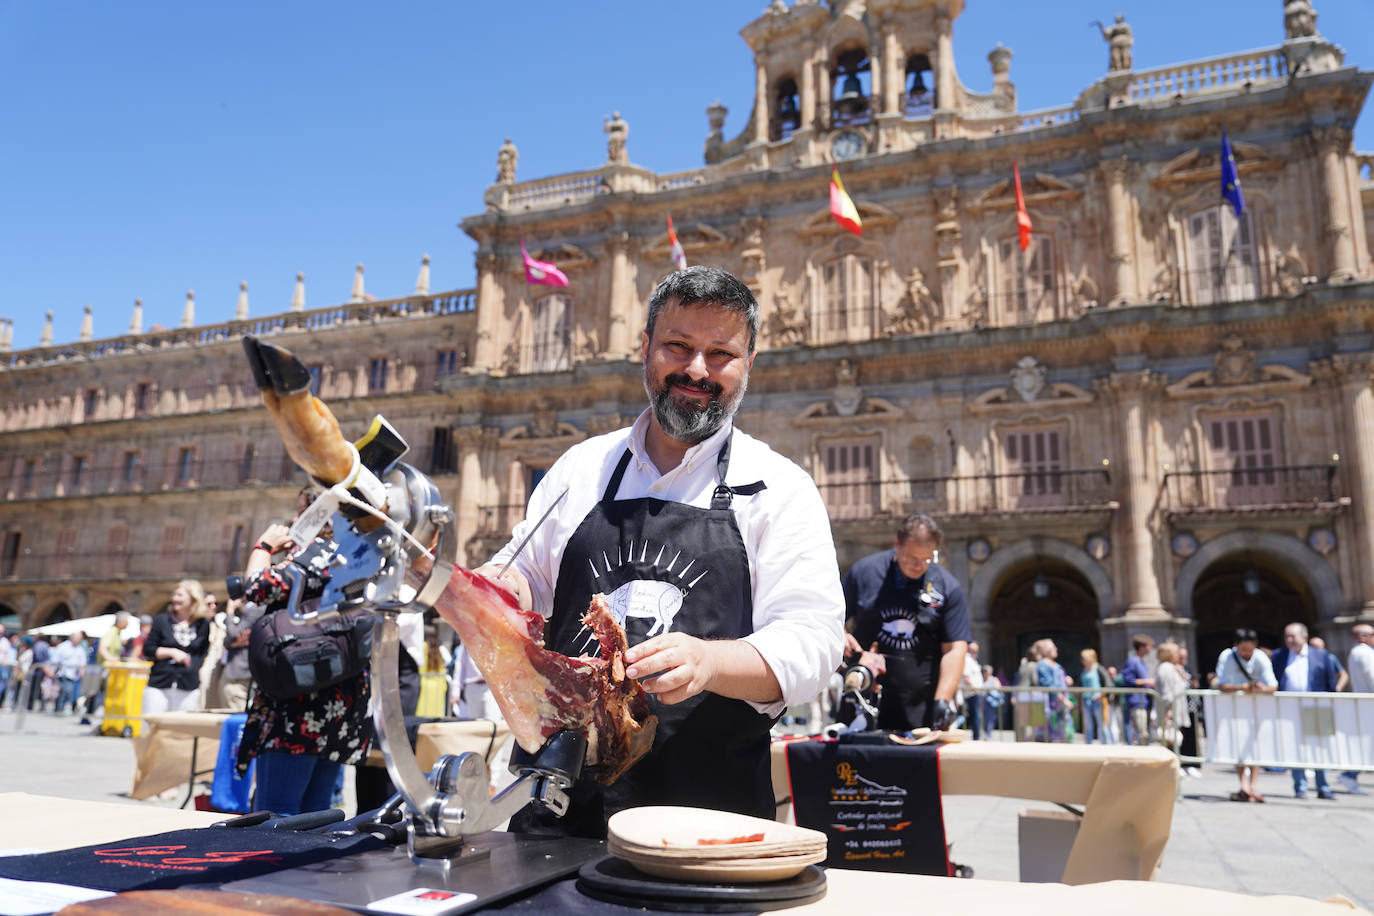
[[851, 78]]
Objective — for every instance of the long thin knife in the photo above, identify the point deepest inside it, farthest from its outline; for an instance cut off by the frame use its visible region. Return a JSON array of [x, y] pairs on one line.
[[542, 519]]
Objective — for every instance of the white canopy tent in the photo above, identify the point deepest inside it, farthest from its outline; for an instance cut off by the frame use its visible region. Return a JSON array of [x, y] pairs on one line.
[[93, 627]]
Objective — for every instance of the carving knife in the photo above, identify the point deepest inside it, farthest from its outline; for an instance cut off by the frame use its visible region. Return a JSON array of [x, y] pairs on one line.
[[537, 525]]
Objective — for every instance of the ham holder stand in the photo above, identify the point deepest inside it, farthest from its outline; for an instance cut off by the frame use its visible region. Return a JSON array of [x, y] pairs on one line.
[[404, 564]]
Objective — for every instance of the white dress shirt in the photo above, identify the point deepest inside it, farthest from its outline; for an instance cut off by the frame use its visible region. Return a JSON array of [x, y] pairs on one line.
[[1360, 664], [1295, 675], [795, 578]]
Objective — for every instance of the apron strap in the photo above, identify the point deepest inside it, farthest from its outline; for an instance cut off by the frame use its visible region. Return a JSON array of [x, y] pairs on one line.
[[613, 485], [723, 495]]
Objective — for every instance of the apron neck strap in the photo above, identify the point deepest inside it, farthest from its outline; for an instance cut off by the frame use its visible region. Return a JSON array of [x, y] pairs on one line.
[[723, 495]]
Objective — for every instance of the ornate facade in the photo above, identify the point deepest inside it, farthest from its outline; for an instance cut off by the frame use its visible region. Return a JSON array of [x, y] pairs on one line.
[[1158, 417]]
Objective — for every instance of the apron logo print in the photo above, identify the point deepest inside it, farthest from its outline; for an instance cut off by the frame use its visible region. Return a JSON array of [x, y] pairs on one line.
[[657, 600], [899, 630]]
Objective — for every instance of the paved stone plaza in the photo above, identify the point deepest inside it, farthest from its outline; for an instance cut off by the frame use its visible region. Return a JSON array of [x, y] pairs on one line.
[[1311, 848]]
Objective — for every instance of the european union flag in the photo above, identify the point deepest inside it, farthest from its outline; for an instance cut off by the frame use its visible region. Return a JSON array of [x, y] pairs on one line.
[[1230, 178]]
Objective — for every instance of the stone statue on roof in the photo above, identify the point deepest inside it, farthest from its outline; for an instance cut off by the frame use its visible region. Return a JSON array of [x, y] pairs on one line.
[[617, 132], [1119, 39], [506, 160], [1299, 19]]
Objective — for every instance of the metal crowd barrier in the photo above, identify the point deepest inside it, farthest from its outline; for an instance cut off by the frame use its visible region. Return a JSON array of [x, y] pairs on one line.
[[1025, 710], [1289, 729]]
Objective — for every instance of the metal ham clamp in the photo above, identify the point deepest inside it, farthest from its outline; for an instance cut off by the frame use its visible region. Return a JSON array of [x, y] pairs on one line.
[[396, 539]]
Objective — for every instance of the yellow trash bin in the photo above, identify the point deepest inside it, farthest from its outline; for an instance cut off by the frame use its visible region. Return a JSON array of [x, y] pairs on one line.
[[124, 698]]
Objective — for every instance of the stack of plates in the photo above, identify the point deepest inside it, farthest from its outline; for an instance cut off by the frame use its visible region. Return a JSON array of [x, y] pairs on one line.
[[698, 844]]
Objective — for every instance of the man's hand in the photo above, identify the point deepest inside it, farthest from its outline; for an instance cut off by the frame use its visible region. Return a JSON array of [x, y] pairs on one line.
[[512, 581], [851, 645], [945, 714], [874, 661], [276, 537], [677, 667]]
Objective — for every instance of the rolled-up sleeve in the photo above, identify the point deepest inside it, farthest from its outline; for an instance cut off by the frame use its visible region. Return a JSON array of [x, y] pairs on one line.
[[798, 601]]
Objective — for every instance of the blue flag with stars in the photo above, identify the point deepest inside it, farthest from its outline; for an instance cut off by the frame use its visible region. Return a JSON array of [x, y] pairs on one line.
[[1230, 178]]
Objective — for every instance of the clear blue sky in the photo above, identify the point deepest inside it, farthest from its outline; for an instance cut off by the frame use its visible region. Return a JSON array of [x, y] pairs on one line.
[[151, 147]]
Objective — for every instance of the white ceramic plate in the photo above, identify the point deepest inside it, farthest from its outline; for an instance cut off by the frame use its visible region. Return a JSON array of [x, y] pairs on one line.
[[675, 831], [740, 871]]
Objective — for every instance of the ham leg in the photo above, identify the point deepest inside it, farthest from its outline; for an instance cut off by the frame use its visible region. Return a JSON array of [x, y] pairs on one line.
[[540, 691]]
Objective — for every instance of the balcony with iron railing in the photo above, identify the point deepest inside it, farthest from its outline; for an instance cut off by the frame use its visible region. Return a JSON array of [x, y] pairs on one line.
[[1254, 489], [1047, 492]]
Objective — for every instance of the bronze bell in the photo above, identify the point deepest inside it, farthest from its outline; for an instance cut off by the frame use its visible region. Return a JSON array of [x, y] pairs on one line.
[[852, 99], [918, 86], [787, 110]]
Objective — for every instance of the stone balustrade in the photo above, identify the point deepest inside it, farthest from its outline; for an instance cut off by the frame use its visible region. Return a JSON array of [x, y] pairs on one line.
[[1248, 68], [445, 303]]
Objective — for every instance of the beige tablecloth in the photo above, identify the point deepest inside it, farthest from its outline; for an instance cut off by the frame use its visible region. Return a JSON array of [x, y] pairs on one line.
[[164, 749], [43, 822], [1128, 793]]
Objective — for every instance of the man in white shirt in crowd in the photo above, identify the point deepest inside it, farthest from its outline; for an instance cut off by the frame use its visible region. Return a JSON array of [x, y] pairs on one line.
[[1245, 669], [975, 710], [1360, 665], [70, 660], [713, 550]]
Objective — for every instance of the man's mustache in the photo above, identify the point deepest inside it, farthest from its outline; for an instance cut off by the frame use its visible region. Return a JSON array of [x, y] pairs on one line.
[[706, 386]]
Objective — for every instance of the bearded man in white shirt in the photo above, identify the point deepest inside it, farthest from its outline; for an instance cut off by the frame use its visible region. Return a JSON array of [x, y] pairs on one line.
[[714, 552]]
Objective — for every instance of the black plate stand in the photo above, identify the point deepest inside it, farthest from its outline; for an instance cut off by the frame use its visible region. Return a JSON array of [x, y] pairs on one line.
[[617, 881]]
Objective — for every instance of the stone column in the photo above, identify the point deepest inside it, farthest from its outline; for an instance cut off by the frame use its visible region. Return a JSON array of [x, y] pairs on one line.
[[892, 69], [471, 441], [620, 334], [806, 92], [490, 305], [1142, 582], [944, 64], [1352, 375], [1333, 144], [822, 93], [1119, 231], [762, 110]]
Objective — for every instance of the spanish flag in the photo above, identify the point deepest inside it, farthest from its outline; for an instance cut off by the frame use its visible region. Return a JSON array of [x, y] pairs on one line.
[[675, 251], [1023, 220], [841, 207]]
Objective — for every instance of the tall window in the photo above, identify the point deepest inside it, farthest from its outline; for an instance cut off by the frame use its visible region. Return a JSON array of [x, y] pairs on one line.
[[376, 375], [1221, 257], [66, 552], [78, 471], [171, 561], [443, 459], [250, 452], [186, 460], [30, 477], [117, 550], [89, 402], [446, 363], [850, 482], [551, 338], [847, 305], [143, 394], [1247, 446], [130, 473], [1028, 290], [1034, 458], [9, 554], [316, 374], [236, 558]]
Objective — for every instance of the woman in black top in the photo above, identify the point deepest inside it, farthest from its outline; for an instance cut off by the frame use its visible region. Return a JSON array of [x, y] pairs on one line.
[[176, 646]]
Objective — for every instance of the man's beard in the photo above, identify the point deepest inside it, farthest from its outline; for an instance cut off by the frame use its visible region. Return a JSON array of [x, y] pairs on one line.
[[692, 423]]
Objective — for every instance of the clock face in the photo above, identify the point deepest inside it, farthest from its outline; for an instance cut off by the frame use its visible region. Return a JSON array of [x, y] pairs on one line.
[[848, 145]]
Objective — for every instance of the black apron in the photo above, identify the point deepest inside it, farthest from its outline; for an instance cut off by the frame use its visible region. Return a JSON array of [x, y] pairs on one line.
[[908, 636], [665, 566]]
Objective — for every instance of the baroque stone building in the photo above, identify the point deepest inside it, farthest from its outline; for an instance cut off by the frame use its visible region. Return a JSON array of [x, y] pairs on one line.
[[1158, 417]]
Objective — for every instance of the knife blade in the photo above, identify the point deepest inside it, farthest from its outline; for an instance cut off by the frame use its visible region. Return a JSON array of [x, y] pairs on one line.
[[537, 525]]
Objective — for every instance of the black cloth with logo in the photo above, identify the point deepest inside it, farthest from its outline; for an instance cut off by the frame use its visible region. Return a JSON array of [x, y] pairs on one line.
[[909, 619], [208, 855], [878, 805], [650, 557]]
